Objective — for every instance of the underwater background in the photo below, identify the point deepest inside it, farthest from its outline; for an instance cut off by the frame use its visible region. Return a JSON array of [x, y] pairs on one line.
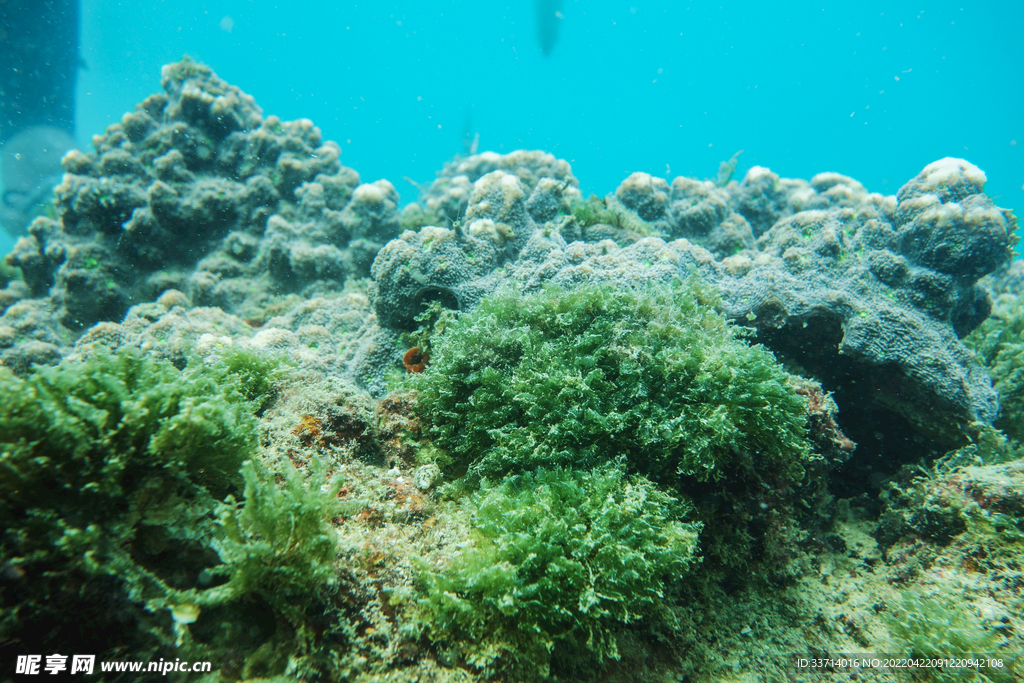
[[530, 343], [873, 90]]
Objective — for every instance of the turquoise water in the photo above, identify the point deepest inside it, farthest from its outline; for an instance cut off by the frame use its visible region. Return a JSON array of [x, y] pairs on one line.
[[874, 90]]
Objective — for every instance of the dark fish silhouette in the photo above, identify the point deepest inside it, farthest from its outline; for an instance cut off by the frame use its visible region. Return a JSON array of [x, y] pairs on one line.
[[549, 16]]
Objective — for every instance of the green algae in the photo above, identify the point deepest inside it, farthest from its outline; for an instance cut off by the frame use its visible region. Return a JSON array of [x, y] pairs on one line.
[[576, 378], [609, 211], [999, 345], [118, 482], [558, 556], [942, 626], [588, 436], [727, 169], [252, 373]]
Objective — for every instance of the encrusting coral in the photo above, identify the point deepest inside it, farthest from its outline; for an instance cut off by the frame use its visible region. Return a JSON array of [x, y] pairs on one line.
[[197, 191]]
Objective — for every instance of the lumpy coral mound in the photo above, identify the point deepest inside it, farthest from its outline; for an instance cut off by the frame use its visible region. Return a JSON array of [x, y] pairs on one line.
[[197, 191]]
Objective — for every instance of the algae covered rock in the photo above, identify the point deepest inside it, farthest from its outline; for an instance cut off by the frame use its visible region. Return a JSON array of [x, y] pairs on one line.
[[576, 378], [447, 198], [602, 432], [433, 264], [129, 498], [999, 345], [834, 284], [945, 221]]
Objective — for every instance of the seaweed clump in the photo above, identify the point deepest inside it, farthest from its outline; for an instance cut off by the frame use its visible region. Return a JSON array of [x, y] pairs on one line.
[[589, 436], [126, 498], [575, 378], [941, 626], [609, 211], [559, 558], [252, 374]]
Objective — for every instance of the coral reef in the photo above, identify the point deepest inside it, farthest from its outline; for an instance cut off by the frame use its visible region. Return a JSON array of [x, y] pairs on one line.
[[842, 284], [698, 211], [547, 180], [195, 190], [631, 438], [432, 264]]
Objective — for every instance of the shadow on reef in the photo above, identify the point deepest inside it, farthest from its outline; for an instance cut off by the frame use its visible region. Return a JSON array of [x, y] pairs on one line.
[[885, 439]]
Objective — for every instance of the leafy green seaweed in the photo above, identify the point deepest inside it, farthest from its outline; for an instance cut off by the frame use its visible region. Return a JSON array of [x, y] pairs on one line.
[[576, 378], [118, 478], [943, 626], [558, 556]]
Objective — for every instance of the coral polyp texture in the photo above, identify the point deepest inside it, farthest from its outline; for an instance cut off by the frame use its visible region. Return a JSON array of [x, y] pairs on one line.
[[196, 190], [253, 411]]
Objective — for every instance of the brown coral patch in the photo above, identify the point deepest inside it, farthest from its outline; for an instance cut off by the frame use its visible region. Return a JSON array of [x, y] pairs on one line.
[[310, 430], [337, 428], [408, 499]]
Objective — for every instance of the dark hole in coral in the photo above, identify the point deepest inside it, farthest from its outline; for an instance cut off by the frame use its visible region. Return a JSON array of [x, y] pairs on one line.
[[736, 512], [886, 440], [442, 295]]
